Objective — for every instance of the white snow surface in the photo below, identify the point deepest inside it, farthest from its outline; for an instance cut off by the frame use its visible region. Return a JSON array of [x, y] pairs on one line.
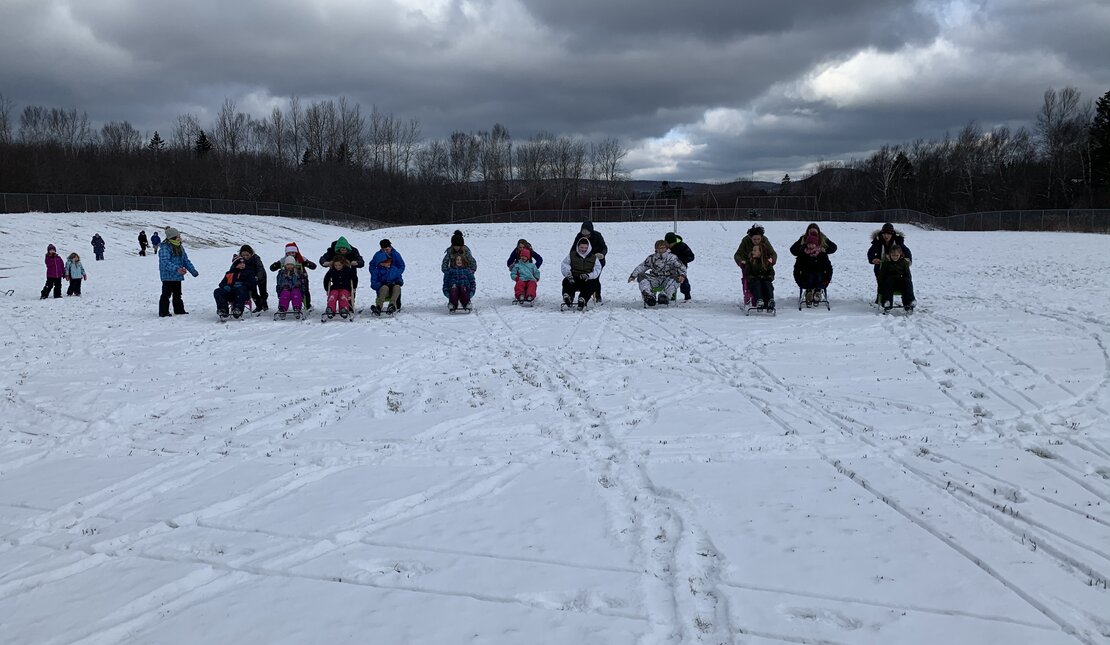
[[623, 475]]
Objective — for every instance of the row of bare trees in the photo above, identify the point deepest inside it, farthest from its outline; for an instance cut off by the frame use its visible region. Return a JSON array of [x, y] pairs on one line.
[[1057, 164]]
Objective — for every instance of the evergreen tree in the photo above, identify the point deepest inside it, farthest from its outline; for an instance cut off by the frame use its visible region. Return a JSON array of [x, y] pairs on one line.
[[156, 143], [1100, 142], [308, 157], [786, 182], [203, 145]]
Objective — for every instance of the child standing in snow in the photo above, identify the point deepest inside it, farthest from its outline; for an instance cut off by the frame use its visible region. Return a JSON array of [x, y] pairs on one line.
[[458, 284], [75, 274], [55, 269], [526, 273], [173, 264], [339, 282], [290, 283]]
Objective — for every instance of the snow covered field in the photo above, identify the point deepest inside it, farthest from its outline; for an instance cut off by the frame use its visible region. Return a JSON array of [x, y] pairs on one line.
[[688, 475]]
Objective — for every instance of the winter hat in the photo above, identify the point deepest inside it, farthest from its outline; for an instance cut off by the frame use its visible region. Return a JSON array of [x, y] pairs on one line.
[[51, 247], [292, 248], [813, 237], [813, 244], [755, 230], [385, 243], [457, 239], [288, 261], [670, 238], [342, 243], [525, 254], [246, 248], [172, 232], [888, 228], [587, 229]]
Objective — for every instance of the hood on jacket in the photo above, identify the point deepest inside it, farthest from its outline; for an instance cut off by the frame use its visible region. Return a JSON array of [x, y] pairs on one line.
[[588, 250], [587, 229], [897, 237]]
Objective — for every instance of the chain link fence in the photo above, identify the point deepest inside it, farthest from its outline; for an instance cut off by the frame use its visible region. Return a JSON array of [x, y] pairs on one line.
[[48, 203], [1074, 220]]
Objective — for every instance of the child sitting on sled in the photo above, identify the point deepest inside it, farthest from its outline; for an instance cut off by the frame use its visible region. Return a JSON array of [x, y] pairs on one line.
[[339, 283], [458, 283], [526, 273], [659, 275], [290, 285]]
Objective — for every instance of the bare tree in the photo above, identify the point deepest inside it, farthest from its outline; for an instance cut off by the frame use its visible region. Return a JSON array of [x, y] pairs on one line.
[[432, 164], [184, 132], [1063, 125], [232, 128], [6, 107], [120, 137], [463, 150], [607, 162]]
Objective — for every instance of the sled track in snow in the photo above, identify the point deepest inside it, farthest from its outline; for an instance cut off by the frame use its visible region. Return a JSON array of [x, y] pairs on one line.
[[680, 563], [843, 424]]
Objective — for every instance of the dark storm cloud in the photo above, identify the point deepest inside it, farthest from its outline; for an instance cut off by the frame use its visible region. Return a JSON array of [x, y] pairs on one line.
[[802, 80]]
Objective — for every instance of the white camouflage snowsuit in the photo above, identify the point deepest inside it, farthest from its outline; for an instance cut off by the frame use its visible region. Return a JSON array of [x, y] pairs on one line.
[[659, 271]]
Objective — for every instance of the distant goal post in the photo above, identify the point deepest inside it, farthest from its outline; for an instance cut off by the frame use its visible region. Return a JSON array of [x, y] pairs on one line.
[[634, 210]]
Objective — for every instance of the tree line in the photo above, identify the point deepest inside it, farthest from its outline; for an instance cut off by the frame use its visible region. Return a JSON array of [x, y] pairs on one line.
[[331, 154]]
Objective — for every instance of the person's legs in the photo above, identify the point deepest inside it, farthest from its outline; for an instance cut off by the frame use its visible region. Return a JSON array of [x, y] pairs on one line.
[[284, 297], [164, 299], [886, 290], [907, 293], [464, 297], [76, 286], [589, 289], [220, 296], [383, 295], [261, 301], [297, 299], [394, 296], [519, 289], [684, 287], [453, 297], [333, 300], [569, 289], [530, 287]]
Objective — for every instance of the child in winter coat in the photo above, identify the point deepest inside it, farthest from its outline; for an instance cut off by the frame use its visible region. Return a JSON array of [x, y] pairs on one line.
[[155, 242], [742, 257], [526, 273], [75, 274], [292, 251], [235, 288], [55, 269], [173, 264], [761, 276], [339, 282], [894, 275], [458, 284], [812, 268], [290, 285], [661, 271], [581, 273], [387, 269]]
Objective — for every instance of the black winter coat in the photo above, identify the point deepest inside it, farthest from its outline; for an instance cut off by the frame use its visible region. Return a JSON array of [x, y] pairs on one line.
[[340, 278]]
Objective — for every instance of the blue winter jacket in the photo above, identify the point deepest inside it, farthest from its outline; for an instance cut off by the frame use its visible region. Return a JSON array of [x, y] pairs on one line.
[[291, 281], [459, 276], [168, 263], [525, 271], [75, 270], [381, 275]]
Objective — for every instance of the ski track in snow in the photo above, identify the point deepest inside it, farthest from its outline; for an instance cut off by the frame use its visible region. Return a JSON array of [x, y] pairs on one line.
[[413, 456]]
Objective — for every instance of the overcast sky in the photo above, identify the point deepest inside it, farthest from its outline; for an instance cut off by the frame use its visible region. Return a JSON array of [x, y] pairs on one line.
[[702, 90]]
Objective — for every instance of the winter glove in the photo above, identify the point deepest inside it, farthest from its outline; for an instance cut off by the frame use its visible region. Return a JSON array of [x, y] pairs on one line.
[[584, 277], [599, 256]]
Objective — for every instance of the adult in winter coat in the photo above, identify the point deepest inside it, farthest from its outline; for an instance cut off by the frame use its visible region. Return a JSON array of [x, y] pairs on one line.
[[755, 237], [522, 244], [598, 248], [75, 274], [291, 250], [386, 277], [354, 258], [661, 271], [98, 246], [581, 272], [812, 268], [55, 270], [259, 294], [236, 286], [173, 264], [685, 255], [894, 275], [143, 243], [882, 241], [458, 247], [155, 241]]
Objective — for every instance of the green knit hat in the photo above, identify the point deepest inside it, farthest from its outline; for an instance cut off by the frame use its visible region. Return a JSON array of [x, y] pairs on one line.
[[342, 243]]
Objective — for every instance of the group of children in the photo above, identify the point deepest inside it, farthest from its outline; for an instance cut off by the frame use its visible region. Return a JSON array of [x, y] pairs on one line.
[[660, 277]]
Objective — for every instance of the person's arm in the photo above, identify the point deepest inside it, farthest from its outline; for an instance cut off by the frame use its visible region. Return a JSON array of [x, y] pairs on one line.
[[537, 258], [566, 268], [830, 246], [398, 261], [512, 259], [796, 247], [188, 264]]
